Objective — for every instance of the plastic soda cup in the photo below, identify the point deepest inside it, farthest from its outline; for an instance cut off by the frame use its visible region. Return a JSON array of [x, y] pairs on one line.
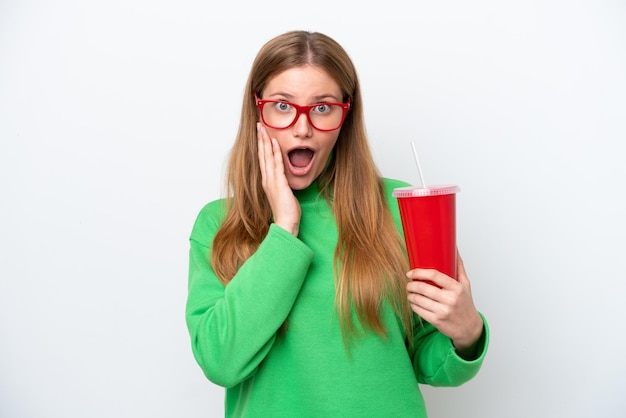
[[428, 217]]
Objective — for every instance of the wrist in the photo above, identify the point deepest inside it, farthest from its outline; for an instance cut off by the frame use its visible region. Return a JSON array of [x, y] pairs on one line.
[[292, 228], [467, 346]]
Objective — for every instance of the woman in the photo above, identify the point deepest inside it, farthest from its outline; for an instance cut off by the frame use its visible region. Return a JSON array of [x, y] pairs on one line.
[[299, 302]]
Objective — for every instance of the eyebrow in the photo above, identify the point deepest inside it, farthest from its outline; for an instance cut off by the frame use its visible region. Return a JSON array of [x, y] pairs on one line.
[[317, 99]]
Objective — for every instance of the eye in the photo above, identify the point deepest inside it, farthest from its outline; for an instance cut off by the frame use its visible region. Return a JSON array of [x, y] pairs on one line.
[[321, 108], [283, 106]]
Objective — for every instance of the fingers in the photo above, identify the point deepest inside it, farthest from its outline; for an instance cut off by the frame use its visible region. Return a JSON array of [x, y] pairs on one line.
[[261, 141], [432, 289], [266, 154], [270, 156], [424, 307], [449, 307], [278, 157], [431, 276], [432, 293], [423, 294]]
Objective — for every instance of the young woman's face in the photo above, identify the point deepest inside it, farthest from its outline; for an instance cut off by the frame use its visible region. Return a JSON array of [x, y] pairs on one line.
[[305, 150]]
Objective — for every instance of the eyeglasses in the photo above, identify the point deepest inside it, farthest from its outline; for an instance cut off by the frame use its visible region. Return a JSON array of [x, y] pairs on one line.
[[280, 114]]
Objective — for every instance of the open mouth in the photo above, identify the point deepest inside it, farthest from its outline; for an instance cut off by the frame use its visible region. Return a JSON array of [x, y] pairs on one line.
[[300, 159]]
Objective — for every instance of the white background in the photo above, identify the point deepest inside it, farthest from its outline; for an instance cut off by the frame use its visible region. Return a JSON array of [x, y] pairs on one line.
[[115, 121]]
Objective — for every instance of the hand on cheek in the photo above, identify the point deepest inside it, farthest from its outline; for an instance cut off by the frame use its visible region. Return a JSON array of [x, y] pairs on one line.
[[285, 207]]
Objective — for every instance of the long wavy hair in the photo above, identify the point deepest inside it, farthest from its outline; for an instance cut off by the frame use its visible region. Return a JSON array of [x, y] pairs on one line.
[[370, 262]]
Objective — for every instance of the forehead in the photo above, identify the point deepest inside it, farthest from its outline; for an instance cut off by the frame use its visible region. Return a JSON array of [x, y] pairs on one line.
[[303, 81]]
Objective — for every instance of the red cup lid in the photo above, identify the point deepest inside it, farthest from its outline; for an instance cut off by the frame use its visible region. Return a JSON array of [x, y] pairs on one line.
[[418, 191]]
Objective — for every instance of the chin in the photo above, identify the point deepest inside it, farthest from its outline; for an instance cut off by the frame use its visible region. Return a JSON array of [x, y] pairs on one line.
[[300, 183]]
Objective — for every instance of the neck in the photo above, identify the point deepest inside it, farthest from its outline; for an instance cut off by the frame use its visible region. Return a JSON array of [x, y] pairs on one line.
[[308, 194]]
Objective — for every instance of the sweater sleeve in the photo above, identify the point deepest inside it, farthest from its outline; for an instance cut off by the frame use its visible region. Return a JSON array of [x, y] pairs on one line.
[[233, 327], [436, 362]]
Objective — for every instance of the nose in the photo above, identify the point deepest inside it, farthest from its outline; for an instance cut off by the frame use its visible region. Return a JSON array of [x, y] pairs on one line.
[[302, 127]]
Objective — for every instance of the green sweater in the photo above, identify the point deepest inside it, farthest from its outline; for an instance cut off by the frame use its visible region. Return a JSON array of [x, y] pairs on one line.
[[306, 371]]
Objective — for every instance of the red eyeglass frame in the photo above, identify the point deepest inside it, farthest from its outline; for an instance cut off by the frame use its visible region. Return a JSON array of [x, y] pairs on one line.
[[302, 110]]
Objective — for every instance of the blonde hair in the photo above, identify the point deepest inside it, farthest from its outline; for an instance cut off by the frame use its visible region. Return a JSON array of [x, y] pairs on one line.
[[370, 263]]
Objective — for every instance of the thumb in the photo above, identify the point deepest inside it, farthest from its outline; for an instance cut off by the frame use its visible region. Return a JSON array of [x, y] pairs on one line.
[[461, 275]]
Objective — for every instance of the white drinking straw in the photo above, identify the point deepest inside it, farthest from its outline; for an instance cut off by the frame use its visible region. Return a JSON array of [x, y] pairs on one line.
[[417, 162]]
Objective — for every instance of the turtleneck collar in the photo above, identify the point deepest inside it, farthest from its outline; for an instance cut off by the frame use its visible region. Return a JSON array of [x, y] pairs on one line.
[[309, 194]]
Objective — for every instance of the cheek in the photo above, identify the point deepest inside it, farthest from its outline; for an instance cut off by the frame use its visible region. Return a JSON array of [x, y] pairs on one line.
[[329, 143], [278, 135]]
